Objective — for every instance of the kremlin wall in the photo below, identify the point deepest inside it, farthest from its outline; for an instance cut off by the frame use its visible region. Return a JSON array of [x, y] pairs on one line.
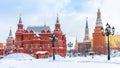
[[34, 40]]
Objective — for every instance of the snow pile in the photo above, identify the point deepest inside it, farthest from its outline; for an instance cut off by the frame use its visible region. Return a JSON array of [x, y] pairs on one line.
[[41, 52], [116, 54], [58, 58], [61, 62], [115, 58], [18, 56]]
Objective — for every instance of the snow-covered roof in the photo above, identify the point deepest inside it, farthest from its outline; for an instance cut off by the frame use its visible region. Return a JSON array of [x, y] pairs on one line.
[[41, 52], [38, 29]]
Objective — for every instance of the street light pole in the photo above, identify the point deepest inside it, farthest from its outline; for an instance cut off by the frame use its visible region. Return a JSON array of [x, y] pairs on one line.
[[108, 48], [53, 38], [70, 45], [108, 31]]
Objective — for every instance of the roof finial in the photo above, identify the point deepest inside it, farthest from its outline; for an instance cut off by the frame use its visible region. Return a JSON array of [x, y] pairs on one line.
[[57, 18], [20, 21], [10, 33]]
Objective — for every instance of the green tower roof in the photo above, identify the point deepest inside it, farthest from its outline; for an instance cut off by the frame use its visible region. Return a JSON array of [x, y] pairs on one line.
[[86, 23]]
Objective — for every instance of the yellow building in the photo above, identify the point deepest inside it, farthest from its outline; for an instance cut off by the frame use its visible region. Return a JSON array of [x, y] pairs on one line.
[[115, 42]]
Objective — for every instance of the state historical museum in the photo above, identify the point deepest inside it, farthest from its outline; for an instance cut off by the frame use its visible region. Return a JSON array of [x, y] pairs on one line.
[[35, 40]]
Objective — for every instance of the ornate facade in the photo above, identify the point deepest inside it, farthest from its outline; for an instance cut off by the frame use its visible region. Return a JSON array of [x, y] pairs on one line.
[[35, 40]]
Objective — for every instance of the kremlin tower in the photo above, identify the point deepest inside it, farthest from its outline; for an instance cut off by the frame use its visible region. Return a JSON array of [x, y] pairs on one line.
[[86, 38], [84, 47], [61, 38], [9, 42], [19, 34], [99, 41]]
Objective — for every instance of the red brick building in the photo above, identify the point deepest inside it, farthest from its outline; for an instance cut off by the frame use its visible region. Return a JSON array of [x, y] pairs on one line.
[[34, 40], [99, 41]]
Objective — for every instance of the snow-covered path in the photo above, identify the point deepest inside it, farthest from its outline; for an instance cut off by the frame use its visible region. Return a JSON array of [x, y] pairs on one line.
[[74, 62]]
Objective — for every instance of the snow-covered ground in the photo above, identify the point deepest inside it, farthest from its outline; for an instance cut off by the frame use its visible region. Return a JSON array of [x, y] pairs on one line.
[[60, 62]]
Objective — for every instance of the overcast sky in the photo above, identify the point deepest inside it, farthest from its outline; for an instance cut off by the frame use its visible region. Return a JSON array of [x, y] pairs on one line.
[[72, 15]]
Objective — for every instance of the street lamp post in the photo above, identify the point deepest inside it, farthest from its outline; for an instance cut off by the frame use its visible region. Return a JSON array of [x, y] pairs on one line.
[[53, 38], [70, 45], [108, 31]]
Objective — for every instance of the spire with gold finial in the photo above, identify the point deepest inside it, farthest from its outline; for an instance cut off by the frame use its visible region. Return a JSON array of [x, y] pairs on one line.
[[20, 20], [57, 21]]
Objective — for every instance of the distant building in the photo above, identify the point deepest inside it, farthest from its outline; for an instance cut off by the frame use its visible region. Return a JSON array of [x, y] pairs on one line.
[[84, 47], [35, 40], [76, 45], [115, 42]]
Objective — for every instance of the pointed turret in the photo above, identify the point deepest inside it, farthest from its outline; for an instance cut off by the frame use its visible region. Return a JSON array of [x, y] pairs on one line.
[[20, 25], [20, 20], [10, 33], [57, 21], [98, 20], [57, 25], [98, 13], [86, 22], [86, 38], [9, 40]]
